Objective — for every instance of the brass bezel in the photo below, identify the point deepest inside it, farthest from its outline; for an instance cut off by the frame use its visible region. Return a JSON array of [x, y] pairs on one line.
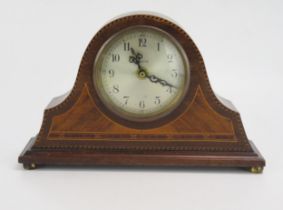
[[132, 116]]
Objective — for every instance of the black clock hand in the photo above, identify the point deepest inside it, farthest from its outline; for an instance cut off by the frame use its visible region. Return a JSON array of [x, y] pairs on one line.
[[155, 79], [135, 58]]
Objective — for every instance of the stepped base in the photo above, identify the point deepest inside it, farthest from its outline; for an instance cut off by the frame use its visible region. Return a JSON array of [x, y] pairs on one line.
[[32, 159]]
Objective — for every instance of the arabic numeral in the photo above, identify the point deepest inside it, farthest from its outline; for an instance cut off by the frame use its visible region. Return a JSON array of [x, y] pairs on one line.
[[142, 42], [116, 88], [174, 73], [115, 57], [170, 58], [126, 98], [142, 104], [157, 100], [169, 90], [111, 73], [127, 46]]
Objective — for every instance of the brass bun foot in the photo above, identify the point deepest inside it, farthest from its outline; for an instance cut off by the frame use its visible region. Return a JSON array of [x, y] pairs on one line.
[[29, 166], [256, 169]]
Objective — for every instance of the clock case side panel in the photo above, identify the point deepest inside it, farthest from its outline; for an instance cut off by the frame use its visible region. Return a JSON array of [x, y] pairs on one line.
[[241, 147]]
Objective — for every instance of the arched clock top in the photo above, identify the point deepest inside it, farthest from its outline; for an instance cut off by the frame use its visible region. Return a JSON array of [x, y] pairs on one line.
[[169, 116]]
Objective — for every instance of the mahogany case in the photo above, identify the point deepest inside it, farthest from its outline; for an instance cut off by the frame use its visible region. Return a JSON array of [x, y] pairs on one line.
[[204, 130]]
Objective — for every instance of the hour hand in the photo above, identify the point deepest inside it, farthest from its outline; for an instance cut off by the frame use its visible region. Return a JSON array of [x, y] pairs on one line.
[[135, 57]]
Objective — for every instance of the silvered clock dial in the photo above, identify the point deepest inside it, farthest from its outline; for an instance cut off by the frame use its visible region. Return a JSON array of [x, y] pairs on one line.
[[141, 73]]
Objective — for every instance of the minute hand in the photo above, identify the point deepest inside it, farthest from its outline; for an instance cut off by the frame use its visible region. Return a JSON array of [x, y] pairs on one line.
[[155, 79]]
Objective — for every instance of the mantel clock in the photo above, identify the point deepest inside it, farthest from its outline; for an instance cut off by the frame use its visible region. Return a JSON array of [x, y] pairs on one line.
[[142, 98]]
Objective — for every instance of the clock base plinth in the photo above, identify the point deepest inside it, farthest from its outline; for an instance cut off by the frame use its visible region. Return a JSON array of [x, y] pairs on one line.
[[32, 159]]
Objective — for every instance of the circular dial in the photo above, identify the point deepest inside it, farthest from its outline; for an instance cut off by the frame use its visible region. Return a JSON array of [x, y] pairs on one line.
[[141, 73]]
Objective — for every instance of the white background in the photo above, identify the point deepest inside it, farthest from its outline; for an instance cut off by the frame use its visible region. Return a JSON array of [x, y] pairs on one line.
[[41, 44]]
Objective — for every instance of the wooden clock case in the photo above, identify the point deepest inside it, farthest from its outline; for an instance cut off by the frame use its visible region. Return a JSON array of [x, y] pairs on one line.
[[204, 130]]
